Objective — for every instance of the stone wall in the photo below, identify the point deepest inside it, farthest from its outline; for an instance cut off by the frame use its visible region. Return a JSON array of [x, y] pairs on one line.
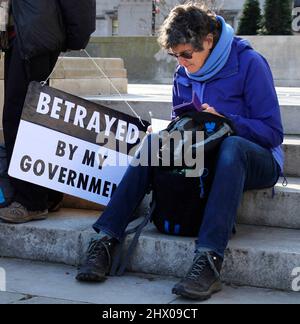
[[145, 63]]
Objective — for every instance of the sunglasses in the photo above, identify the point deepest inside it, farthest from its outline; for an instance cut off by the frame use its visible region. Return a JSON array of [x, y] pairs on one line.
[[184, 55]]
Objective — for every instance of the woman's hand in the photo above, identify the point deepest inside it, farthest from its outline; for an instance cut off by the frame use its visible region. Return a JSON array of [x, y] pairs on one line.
[[207, 108]]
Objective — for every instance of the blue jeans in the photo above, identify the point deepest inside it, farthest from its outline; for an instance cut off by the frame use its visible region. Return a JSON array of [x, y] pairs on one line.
[[241, 165]]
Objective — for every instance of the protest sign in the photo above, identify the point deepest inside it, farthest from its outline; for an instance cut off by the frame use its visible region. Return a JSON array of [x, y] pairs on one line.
[[72, 145]]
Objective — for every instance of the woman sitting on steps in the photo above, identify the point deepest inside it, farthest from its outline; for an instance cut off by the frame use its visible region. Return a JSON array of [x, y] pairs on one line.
[[233, 81]]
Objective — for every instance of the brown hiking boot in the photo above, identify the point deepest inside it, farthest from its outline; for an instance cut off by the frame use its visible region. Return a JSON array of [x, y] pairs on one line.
[[18, 214], [203, 278], [98, 260]]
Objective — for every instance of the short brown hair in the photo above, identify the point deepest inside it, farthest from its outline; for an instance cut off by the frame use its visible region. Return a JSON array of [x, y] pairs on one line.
[[189, 24]]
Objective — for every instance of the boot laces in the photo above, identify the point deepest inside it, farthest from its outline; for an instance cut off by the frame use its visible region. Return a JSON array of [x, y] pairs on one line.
[[198, 266], [98, 249], [200, 263], [17, 209]]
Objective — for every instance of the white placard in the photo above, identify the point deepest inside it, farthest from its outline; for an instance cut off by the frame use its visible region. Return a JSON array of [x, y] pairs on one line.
[[159, 124], [72, 145], [39, 158]]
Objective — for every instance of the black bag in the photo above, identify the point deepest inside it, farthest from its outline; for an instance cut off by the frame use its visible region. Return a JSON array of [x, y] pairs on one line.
[[179, 201], [6, 190]]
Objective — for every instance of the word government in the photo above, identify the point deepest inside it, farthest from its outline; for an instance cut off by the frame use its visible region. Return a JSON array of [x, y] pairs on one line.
[[58, 108], [68, 177]]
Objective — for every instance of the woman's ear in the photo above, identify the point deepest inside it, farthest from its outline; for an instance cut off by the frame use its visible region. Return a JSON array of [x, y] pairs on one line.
[[210, 41]]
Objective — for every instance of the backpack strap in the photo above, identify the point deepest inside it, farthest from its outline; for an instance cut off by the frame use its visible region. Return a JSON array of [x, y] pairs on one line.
[[121, 259]]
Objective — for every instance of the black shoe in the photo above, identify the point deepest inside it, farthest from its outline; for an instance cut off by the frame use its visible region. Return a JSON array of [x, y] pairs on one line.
[[203, 278], [98, 260]]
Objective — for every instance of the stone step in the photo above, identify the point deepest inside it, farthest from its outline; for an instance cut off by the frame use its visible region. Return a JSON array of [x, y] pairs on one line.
[[291, 147], [85, 68], [90, 86], [80, 76], [257, 256], [55, 284], [290, 119], [262, 208], [82, 73], [62, 238], [258, 207], [78, 63]]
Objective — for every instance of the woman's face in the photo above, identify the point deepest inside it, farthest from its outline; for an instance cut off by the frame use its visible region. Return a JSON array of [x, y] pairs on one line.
[[196, 59]]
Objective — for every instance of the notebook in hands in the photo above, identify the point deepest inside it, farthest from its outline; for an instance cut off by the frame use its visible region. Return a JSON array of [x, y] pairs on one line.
[[195, 104]]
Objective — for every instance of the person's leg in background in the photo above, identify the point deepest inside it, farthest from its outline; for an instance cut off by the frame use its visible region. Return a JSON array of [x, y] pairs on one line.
[[118, 214], [242, 165], [18, 74]]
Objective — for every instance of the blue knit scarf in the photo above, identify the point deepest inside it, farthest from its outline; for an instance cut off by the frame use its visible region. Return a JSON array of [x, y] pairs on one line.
[[219, 56]]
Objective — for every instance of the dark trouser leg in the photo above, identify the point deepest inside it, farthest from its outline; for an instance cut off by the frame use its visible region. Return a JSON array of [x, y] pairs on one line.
[[130, 192], [242, 165], [18, 75]]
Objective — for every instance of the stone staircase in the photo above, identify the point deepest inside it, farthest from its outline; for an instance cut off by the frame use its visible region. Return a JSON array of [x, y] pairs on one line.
[[79, 76], [264, 252]]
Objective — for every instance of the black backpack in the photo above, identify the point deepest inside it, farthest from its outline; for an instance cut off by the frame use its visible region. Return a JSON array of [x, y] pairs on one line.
[[178, 201]]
